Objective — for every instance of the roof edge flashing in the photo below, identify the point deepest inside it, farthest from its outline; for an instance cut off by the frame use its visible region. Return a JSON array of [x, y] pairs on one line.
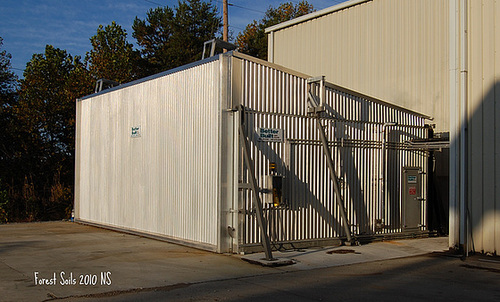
[[243, 56], [315, 15], [373, 99], [152, 77], [377, 100]]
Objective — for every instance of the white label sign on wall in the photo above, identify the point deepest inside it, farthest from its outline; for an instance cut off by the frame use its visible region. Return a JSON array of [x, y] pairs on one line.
[[270, 134], [136, 131]]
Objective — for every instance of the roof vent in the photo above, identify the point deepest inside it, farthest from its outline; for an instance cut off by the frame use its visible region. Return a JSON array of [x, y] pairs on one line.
[[103, 84], [217, 43]]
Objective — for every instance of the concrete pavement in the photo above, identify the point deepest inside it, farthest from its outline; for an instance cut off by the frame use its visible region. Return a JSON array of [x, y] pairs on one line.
[[133, 262], [419, 278], [314, 258], [89, 262]]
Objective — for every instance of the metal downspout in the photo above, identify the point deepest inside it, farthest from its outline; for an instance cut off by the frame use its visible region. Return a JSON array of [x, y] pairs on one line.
[[383, 170], [270, 51], [453, 209], [464, 224]]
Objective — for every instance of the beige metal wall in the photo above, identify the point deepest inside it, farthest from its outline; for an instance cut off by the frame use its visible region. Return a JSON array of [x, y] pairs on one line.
[[411, 53], [483, 124], [167, 181], [391, 49]]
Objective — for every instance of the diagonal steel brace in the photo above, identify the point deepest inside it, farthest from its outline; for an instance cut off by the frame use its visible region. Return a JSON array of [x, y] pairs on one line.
[[316, 106], [255, 190]]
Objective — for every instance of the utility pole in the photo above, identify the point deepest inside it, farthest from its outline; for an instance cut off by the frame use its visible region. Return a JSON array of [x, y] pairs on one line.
[[224, 12]]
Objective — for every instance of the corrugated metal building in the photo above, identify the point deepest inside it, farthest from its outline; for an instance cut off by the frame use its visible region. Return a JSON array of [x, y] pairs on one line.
[[439, 57], [174, 156], [390, 49]]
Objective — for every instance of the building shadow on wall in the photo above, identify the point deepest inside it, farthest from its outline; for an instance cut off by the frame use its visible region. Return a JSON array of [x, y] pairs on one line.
[[482, 176], [298, 199]]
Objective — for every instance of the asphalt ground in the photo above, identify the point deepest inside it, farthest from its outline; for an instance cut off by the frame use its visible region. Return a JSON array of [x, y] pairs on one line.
[[72, 262]]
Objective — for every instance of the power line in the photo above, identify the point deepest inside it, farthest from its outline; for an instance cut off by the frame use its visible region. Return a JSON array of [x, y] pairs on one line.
[[229, 4], [250, 9], [242, 7], [335, 2], [156, 3], [236, 27]]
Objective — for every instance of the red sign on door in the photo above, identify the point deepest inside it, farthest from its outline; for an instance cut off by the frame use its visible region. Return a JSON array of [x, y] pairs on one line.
[[412, 191]]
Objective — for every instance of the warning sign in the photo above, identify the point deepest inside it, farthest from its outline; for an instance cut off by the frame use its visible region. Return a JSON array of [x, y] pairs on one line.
[[412, 191]]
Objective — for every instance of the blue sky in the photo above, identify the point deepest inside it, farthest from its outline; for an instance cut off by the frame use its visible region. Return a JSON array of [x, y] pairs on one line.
[[26, 26]]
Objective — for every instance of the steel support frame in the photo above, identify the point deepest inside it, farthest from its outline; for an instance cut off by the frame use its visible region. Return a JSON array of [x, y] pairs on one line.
[[333, 176], [317, 105], [255, 191]]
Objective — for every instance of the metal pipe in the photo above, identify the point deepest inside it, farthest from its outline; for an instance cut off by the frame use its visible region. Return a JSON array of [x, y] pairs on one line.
[[383, 170], [454, 201]]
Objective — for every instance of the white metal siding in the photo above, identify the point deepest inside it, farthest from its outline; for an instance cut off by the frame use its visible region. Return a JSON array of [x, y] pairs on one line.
[[274, 98], [171, 180], [391, 49], [165, 182]]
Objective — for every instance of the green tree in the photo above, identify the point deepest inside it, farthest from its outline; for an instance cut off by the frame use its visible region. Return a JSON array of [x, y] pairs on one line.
[[173, 37], [46, 104], [112, 57], [154, 36], [4, 201], [8, 87], [8, 80], [45, 114], [253, 39]]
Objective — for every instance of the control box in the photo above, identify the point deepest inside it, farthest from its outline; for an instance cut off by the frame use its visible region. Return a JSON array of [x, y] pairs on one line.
[[412, 198], [274, 190]]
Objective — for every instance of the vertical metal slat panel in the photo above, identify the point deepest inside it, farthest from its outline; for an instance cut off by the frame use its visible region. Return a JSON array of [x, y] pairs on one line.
[[165, 182], [274, 98]]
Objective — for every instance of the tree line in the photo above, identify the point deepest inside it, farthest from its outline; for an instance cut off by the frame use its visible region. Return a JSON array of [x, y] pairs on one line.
[[37, 113]]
